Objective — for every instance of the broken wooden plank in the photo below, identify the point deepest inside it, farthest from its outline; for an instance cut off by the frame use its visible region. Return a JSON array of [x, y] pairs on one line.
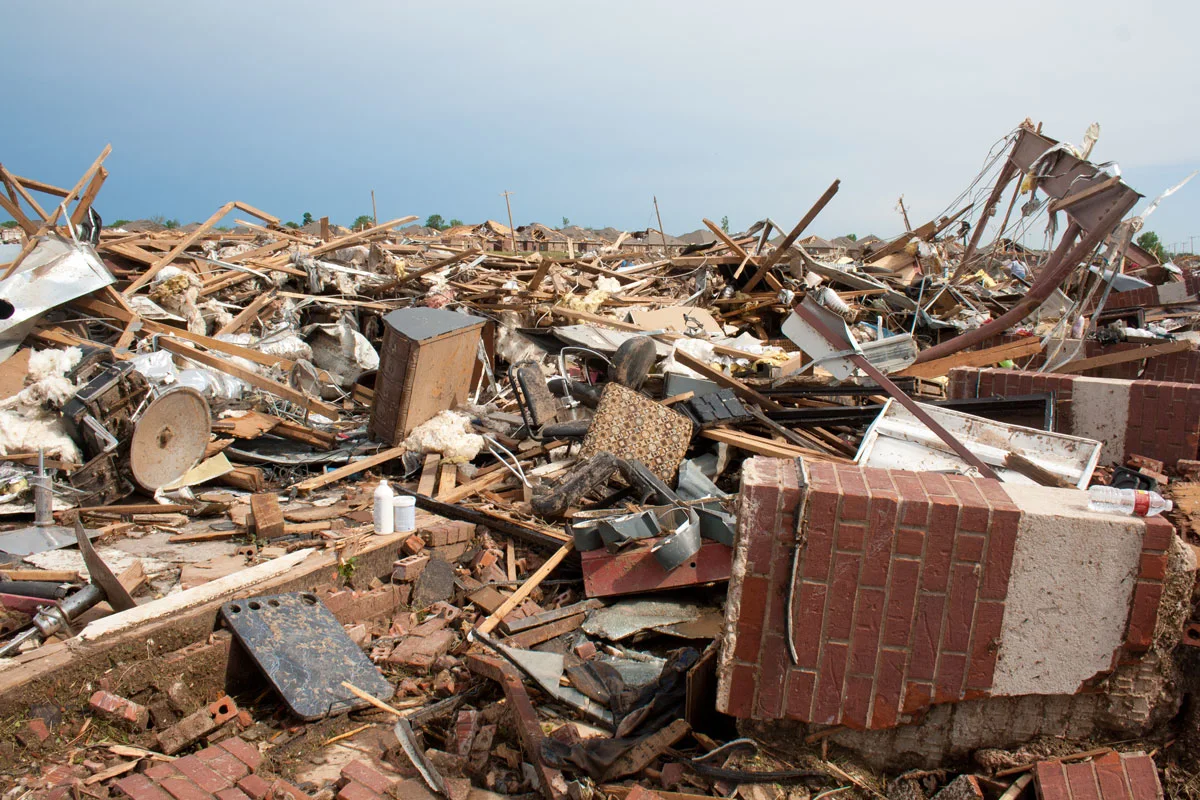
[[524, 590], [785, 245], [1122, 357], [973, 358], [254, 379], [353, 468], [713, 374]]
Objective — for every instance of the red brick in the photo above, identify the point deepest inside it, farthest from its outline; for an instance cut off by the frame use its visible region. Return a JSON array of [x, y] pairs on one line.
[[910, 542], [839, 618], [960, 608], [139, 787], [773, 662], [255, 787], [1002, 543], [751, 617], [356, 791], [889, 683], [243, 751], [927, 637], [880, 535], [818, 552], [827, 702], [1143, 615], [851, 536], [232, 794], [799, 693], [158, 770], [939, 544], [1157, 535], [917, 696], [856, 705], [740, 696], [902, 600], [1143, 777], [985, 643], [282, 790], [181, 788], [127, 714], [1110, 775], [951, 675], [1153, 566], [367, 775], [969, 547], [198, 773], [868, 620], [1081, 781], [223, 763], [809, 620]]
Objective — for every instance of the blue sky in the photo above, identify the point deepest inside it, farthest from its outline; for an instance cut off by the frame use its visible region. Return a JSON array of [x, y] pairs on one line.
[[588, 110]]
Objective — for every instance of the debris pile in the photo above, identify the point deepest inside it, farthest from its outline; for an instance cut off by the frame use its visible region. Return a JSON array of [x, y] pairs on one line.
[[406, 512]]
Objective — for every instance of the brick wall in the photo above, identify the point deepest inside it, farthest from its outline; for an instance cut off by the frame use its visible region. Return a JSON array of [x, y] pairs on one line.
[[1162, 419], [897, 600], [863, 597]]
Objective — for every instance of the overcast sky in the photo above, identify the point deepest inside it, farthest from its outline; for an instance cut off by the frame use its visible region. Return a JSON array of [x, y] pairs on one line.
[[745, 109]]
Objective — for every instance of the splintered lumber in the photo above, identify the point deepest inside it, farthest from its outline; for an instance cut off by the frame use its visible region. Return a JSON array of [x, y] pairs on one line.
[[268, 517], [739, 388], [774, 256], [252, 378], [52, 575], [176, 251], [354, 238], [353, 468], [1123, 356], [324, 440], [248, 313], [1034, 472], [523, 591], [765, 447], [427, 484], [974, 358], [102, 309], [459, 493]]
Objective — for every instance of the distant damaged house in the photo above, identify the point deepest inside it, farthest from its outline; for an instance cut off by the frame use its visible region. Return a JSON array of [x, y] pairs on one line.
[[651, 240], [536, 237], [817, 247], [848, 247]]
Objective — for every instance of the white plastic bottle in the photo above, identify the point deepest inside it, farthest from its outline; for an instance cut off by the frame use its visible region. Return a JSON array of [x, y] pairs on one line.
[[404, 517], [383, 508], [1134, 502]]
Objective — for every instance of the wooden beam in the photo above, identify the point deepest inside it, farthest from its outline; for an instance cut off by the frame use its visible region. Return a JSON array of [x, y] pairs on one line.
[[739, 388], [151, 326], [774, 256], [14, 182], [353, 468], [1122, 357], [1070, 200], [252, 378], [973, 358], [338, 244], [89, 196], [174, 253], [29, 226], [38, 186], [762, 446], [248, 313], [523, 591]]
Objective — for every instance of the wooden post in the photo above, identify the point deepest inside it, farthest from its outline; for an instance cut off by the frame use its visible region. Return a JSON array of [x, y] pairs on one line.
[[512, 232]]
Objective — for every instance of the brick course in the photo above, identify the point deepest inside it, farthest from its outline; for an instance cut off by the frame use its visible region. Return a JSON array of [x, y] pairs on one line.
[[1163, 417], [1113, 776]]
